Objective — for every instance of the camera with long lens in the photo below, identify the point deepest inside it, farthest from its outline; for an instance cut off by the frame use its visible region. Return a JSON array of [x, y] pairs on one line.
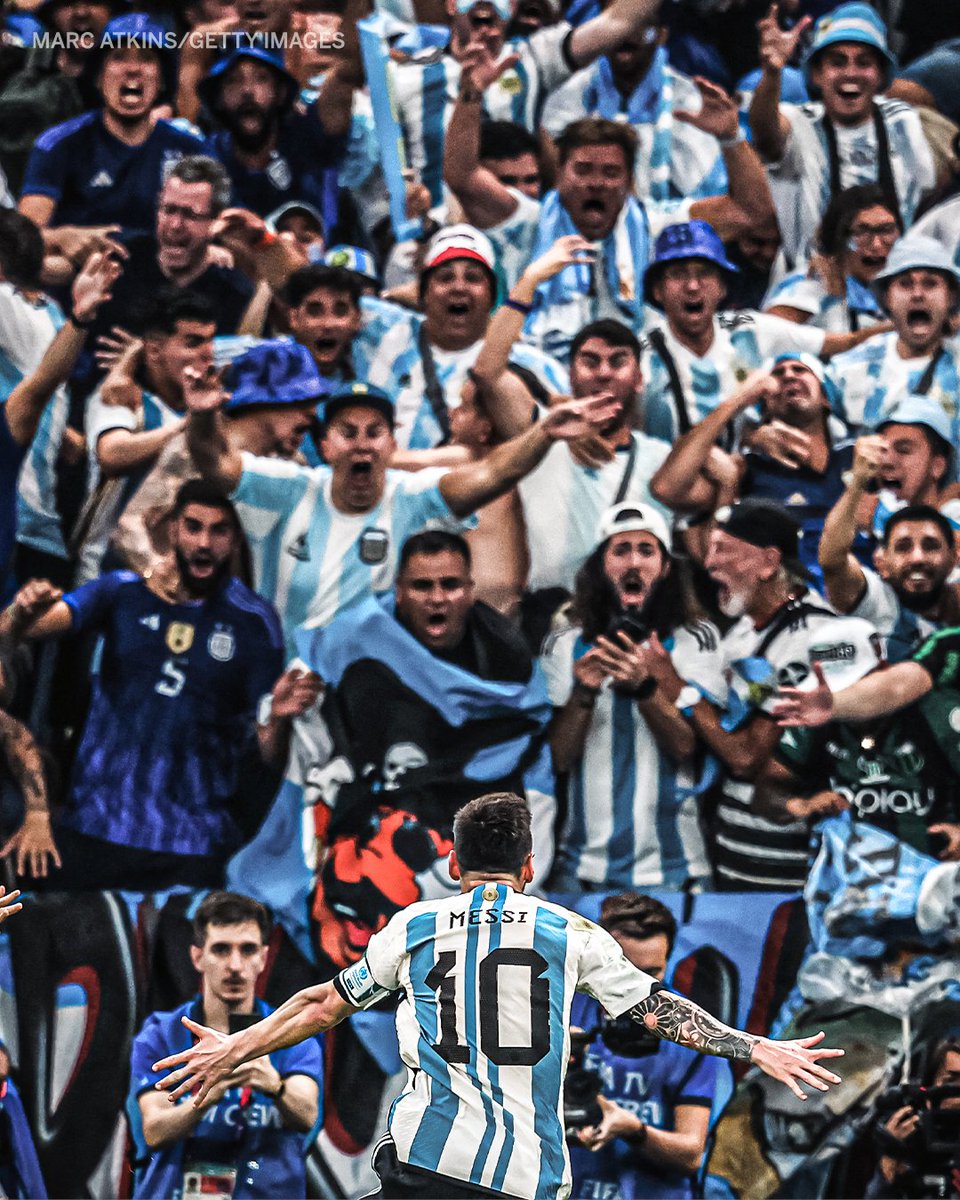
[[932, 1152], [580, 1088]]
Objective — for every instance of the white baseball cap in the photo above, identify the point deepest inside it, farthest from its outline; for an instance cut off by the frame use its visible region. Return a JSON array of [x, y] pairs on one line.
[[630, 517], [845, 650], [460, 241]]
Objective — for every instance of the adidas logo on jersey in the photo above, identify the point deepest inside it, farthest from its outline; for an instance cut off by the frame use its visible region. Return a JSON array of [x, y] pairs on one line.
[[151, 622], [101, 180]]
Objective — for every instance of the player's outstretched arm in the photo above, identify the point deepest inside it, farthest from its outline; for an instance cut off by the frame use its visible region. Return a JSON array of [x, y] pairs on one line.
[[216, 1054], [677, 1019]]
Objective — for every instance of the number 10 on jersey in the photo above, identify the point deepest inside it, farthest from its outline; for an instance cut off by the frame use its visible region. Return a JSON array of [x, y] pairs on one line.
[[445, 979]]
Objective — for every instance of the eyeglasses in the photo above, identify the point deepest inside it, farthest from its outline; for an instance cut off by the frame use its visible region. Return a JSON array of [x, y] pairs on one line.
[[866, 233], [187, 214]]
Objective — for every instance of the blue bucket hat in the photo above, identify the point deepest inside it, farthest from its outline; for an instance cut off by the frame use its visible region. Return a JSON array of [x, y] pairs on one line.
[[921, 410], [358, 395], [274, 374], [857, 23], [209, 87], [352, 258], [916, 252], [688, 239], [134, 29]]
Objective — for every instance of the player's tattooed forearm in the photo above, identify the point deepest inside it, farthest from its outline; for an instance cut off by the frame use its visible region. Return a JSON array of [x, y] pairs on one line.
[[677, 1019]]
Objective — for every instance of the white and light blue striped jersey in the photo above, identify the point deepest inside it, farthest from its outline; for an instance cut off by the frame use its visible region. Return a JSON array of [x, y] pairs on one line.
[[426, 90], [386, 353], [674, 159], [310, 560], [857, 309], [943, 223], [873, 378], [489, 977], [902, 630], [806, 165], [742, 341], [563, 502], [110, 500], [27, 327], [633, 817]]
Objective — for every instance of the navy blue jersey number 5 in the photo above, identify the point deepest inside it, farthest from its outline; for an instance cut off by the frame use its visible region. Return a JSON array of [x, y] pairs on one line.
[[443, 980]]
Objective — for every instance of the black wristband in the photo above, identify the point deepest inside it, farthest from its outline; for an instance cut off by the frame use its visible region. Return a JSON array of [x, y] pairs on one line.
[[637, 1139], [646, 689], [518, 306], [584, 695], [75, 320]]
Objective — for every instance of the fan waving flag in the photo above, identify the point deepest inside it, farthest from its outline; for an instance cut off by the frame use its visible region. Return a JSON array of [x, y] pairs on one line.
[[412, 737]]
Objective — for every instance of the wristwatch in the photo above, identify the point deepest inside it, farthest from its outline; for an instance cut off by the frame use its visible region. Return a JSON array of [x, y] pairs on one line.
[[689, 697]]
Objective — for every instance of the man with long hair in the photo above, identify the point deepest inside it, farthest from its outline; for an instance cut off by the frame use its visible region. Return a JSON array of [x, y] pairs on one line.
[[633, 818]]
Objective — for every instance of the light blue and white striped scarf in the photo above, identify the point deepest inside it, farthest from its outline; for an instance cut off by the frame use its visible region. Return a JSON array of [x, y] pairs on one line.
[[565, 304], [651, 103]]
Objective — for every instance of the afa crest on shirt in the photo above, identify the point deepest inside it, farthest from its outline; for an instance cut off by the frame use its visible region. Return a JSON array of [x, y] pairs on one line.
[[221, 644], [510, 82], [179, 637]]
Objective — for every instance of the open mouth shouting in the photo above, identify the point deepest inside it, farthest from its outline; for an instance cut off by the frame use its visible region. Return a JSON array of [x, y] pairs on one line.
[[632, 589]]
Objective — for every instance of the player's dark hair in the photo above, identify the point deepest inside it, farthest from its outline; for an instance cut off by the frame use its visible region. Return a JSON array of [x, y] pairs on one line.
[[206, 492], [598, 131], [504, 139], [918, 512], [614, 333], [21, 249], [308, 279], [841, 212], [492, 833], [638, 916], [170, 305], [433, 541], [229, 908]]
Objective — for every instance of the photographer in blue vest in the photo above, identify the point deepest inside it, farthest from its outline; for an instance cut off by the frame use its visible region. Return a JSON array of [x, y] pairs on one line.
[[655, 1099], [248, 1138]]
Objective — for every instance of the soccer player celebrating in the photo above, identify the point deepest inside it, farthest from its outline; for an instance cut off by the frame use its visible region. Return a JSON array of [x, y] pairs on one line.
[[490, 977]]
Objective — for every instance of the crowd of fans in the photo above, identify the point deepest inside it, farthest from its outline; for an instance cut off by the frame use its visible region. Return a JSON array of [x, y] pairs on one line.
[[541, 459]]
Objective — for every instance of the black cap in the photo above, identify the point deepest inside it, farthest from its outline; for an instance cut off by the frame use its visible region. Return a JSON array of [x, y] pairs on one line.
[[763, 523], [359, 395]]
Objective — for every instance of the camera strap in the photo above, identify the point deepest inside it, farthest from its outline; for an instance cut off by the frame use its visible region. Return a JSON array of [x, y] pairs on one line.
[[659, 343], [925, 382], [432, 386], [627, 471]]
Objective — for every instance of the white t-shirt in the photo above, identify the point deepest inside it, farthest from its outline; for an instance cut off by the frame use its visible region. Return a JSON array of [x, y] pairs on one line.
[[563, 502], [489, 977], [633, 817]]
